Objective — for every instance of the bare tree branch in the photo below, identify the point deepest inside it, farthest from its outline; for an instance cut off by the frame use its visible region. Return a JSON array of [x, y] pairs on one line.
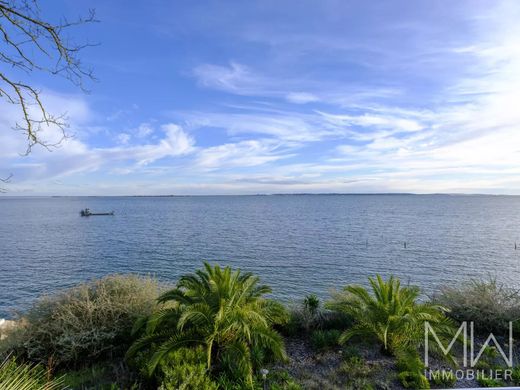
[[32, 44], [5, 180]]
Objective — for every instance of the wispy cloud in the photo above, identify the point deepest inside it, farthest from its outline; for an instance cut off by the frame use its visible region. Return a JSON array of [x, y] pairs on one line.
[[284, 126], [235, 78], [240, 154], [301, 97], [363, 97], [242, 80]]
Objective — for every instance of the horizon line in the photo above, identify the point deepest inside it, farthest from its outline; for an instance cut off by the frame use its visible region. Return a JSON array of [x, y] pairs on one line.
[[8, 195]]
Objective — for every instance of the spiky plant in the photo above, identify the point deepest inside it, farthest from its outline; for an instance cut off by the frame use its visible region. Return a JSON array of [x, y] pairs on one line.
[[390, 313], [311, 312], [311, 303], [223, 310], [15, 376]]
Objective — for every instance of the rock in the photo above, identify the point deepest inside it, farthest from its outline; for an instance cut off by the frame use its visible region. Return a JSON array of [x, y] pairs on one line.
[[5, 327]]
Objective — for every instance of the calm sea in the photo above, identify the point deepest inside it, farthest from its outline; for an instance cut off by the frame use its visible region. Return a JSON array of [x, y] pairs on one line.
[[297, 243]]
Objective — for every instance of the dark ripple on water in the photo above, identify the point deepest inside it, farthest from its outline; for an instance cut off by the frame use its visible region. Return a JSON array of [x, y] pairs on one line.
[[297, 244]]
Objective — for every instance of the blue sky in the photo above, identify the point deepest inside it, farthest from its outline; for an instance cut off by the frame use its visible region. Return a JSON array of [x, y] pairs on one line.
[[243, 97]]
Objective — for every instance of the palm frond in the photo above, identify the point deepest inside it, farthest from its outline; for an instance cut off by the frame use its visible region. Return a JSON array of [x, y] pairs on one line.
[[388, 312], [221, 309], [24, 377], [175, 342]]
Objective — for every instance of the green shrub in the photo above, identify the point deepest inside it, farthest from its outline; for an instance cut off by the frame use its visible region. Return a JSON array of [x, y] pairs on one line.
[[384, 384], [311, 313], [304, 317], [88, 377], [490, 305], [294, 325], [361, 384], [301, 321], [489, 382], [324, 339], [281, 380], [489, 359], [287, 386], [15, 376], [515, 375], [409, 361], [490, 352], [186, 369], [349, 351], [102, 375], [355, 368], [443, 378], [85, 323], [411, 369], [223, 381], [336, 320], [413, 380]]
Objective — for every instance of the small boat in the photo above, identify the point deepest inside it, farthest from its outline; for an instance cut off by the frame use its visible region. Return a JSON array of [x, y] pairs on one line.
[[88, 213]]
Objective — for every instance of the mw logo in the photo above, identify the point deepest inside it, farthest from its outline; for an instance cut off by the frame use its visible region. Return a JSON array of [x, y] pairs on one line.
[[463, 330]]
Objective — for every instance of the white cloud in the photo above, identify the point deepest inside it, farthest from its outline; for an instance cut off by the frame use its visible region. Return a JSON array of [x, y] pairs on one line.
[[144, 130], [283, 126], [235, 78], [74, 156], [239, 79], [176, 142], [392, 123], [241, 154], [301, 97], [123, 138]]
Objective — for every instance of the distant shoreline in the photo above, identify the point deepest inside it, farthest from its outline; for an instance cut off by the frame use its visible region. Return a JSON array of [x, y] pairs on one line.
[[8, 195]]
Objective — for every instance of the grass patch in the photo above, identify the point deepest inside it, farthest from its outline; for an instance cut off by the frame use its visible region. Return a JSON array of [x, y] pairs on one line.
[[322, 340]]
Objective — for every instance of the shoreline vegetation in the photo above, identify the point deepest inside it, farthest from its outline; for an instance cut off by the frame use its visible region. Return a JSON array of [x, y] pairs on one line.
[[216, 328]]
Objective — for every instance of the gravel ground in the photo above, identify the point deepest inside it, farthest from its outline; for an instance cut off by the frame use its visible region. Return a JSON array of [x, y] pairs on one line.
[[322, 370]]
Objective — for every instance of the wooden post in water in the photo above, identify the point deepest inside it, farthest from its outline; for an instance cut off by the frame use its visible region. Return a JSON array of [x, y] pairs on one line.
[[405, 245]]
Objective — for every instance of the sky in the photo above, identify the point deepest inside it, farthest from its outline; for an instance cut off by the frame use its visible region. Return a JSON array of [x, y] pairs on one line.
[[246, 97]]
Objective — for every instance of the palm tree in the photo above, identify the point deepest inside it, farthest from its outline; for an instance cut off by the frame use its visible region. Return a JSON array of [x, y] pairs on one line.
[[390, 313], [223, 310]]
